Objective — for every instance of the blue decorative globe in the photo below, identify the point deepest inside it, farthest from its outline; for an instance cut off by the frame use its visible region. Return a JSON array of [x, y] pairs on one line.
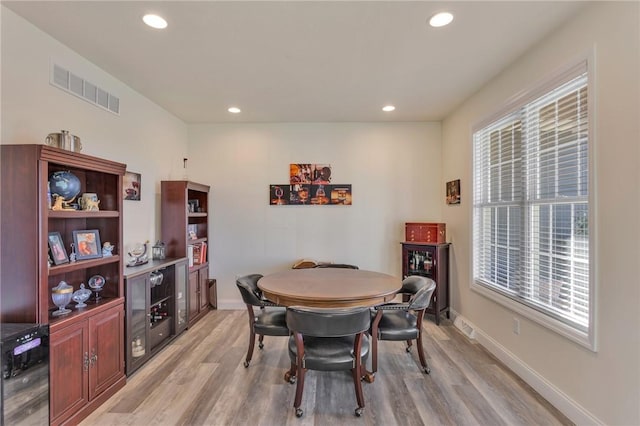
[[64, 184]]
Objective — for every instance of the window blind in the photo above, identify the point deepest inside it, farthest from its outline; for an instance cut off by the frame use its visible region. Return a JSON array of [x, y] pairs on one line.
[[531, 208]]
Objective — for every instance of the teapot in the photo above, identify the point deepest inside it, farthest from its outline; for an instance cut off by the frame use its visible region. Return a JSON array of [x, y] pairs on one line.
[[64, 140]]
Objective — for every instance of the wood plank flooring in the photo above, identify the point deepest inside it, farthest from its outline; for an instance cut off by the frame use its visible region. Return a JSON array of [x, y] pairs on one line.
[[199, 379]]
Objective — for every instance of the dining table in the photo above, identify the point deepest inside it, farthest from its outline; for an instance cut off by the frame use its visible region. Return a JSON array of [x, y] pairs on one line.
[[329, 287]]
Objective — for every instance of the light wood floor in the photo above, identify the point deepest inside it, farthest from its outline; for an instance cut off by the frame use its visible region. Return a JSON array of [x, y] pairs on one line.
[[199, 379]]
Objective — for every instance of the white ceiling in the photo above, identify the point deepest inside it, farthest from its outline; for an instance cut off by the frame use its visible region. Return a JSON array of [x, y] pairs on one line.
[[299, 61]]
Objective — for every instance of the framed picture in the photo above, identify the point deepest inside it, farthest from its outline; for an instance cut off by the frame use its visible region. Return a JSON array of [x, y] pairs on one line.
[[87, 244], [131, 186], [58, 252], [194, 206], [453, 192], [279, 195]]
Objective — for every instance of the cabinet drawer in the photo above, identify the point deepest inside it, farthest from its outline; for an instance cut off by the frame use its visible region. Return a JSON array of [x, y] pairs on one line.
[[160, 332], [426, 232]]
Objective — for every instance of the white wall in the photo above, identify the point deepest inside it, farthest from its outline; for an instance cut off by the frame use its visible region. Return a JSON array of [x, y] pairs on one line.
[[144, 136], [394, 170], [589, 387]]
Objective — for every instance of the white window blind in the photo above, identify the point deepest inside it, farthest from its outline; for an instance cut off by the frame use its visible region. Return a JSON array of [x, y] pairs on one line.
[[531, 203]]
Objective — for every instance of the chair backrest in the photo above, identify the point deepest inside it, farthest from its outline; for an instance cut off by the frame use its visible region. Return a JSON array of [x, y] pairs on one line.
[[336, 265], [421, 289], [328, 322], [248, 286]]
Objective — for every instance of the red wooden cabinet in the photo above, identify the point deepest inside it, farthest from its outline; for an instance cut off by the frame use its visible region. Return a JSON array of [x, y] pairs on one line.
[[86, 344], [86, 364], [185, 221]]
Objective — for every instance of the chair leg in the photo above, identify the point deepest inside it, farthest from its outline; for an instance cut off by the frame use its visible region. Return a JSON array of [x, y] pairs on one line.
[[299, 388], [374, 355], [356, 373], [290, 376], [423, 359], [260, 344], [409, 343], [252, 342]]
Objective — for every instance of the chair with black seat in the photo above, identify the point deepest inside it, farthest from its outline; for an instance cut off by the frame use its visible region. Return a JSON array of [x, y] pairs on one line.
[[328, 339], [267, 322], [403, 321], [336, 265]]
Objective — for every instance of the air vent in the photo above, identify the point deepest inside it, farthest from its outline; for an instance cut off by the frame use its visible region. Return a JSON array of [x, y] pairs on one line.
[[78, 86]]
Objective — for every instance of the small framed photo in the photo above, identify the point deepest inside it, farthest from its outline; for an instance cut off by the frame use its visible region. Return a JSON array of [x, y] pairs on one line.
[[87, 244], [58, 253], [131, 186], [453, 192], [194, 206]]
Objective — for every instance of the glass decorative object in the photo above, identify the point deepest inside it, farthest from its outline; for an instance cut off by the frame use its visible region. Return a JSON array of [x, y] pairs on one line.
[[61, 296], [158, 250], [80, 296], [138, 253], [96, 283]]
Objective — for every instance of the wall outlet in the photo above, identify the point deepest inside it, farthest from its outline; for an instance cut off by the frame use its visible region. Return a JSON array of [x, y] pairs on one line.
[[516, 326]]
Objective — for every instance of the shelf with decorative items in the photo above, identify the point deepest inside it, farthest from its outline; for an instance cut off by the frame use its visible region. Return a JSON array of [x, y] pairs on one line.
[[59, 209], [185, 229]]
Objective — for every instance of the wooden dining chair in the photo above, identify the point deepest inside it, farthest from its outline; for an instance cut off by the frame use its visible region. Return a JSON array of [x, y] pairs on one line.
[[328, 339], [269, 321], [403, 321]]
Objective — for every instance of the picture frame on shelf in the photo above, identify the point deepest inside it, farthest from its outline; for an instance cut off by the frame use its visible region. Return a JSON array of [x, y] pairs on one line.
[[194, 206], [58, 252], [87, 243]]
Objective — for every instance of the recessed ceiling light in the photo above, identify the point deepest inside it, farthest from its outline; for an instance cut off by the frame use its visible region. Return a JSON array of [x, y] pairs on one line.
[[155, 21], [388, 108], [441, 19], [234, 110]]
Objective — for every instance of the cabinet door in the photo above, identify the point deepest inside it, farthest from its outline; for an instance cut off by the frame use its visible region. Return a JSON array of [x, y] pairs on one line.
[[69, 369], [203, 282], [419, 260], [181, 296], [106, 364], [137, 321], [194, 302]]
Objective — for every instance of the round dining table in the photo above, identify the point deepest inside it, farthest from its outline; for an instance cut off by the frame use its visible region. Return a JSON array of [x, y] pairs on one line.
[[329, 287]]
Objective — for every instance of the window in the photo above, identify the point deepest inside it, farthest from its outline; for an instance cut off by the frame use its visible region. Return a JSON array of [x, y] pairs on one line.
[[531, 206]]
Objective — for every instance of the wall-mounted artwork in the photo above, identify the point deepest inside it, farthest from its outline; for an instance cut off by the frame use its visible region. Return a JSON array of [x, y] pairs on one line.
[[279, 194], [131, 186], [309, 184], [303, 194], [453, 192], [340, 194], [309, 173]]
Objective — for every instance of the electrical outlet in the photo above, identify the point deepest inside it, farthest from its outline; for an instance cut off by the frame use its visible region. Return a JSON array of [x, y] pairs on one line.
[[516, 326]]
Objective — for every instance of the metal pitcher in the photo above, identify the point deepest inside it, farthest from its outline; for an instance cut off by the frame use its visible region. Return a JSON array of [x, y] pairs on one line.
[[64, 140]]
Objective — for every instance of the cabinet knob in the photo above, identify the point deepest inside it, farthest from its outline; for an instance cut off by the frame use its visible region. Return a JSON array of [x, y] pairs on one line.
[[85, 362], [94, 357]]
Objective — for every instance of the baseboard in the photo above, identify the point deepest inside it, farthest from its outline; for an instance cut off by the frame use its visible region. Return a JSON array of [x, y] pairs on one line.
[[230, 304], [570, 408]]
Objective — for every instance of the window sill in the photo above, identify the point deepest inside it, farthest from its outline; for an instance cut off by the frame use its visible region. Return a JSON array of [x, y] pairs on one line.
[[586, 340]]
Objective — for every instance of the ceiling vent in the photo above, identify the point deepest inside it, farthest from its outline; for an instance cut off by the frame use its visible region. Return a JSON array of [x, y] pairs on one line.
[[78, 86]]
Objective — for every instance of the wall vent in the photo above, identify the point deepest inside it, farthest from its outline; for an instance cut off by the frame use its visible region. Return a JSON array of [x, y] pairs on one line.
[[465, 326], [78, 86]]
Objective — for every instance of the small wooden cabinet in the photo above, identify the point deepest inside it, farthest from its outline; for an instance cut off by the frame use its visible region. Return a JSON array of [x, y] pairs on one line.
[[198, 293], [432, 261], [185, 222], [87, 358], [156, 308]]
